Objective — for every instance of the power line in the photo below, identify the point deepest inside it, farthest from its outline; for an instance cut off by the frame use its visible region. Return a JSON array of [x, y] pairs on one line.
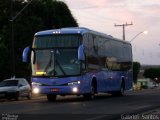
[[123, 25]]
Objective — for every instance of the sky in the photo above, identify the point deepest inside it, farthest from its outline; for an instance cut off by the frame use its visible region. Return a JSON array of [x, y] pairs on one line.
[[102, 15]]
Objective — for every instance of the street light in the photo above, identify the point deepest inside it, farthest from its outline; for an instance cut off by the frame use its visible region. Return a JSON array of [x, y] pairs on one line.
[[144, 32], [13, 18]]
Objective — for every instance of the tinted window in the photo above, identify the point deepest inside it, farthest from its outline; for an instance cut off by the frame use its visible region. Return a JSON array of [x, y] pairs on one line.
[[104, 47], [51, 41], [117, 49], [9, 83], [23, 82], [127, 52]]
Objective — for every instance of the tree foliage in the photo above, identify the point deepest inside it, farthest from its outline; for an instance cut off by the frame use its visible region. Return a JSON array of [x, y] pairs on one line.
[[152, 73], [136, 69], [39, 15]]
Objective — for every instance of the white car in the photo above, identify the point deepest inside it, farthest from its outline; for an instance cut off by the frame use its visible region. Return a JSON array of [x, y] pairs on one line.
[[15, 88]]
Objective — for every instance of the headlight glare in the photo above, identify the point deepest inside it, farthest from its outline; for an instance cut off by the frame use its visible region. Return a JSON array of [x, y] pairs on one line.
[[75, 89], [36, 84], [36, 90]]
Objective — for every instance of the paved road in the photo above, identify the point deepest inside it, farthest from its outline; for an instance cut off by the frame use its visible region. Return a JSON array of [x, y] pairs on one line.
[[104, 107]]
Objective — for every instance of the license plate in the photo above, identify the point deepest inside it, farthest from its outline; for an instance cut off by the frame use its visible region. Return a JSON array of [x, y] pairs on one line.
[[54, 90]]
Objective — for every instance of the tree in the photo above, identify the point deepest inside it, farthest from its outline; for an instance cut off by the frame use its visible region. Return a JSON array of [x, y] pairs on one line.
[[153, 73], [39, 15], [5, 67], [136, 69], [4, 36]]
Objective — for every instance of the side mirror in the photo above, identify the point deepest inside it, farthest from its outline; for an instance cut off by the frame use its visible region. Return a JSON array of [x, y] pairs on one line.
[[81, 52], [26, 52]]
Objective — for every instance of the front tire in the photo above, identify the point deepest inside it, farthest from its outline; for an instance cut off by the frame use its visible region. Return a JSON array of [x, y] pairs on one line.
[[51, 98], [121, 92], [17, 96], [91, 95], [29, 95]]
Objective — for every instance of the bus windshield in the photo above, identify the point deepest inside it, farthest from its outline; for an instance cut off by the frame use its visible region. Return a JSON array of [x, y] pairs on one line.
[[50, 41], [56, 58]]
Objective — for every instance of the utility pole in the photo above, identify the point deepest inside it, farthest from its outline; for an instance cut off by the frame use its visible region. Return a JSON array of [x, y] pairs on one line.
[[123, 25], [12, 20], [12, 43]]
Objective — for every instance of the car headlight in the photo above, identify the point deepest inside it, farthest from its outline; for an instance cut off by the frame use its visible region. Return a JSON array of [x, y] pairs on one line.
[[74, 83], [36, 84]]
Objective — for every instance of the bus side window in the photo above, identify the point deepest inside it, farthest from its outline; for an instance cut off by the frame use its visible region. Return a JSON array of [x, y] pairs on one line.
[[84, 65]]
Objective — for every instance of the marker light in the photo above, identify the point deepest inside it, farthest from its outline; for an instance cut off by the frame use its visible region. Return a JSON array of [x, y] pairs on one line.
[[36, 90], [36, 84], [40, 73], [56, 32], [74, 83]]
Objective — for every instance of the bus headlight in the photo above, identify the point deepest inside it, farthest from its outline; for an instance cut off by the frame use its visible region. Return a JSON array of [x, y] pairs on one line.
[[74, 83], [35, 90], [75, 89]]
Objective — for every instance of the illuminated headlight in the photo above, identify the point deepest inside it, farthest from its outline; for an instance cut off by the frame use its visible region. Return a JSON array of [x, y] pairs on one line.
[[75, 89], [36, 84], [74, 83], [35, 90]]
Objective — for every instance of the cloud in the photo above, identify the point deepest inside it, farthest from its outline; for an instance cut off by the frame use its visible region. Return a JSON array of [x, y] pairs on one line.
[[100, 15]]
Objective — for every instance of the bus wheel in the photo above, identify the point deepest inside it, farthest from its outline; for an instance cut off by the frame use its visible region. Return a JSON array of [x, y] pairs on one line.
[[120, 92], [122, 89], [90, 96], [51, 98]]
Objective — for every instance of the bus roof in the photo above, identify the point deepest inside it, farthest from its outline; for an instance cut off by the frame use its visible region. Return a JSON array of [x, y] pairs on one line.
[[75, 30], [69, 30]]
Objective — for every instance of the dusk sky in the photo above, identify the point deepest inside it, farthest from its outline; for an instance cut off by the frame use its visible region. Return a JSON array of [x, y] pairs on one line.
[[101, 15]]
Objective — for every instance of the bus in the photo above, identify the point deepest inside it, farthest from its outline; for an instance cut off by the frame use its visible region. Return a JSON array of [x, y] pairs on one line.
[[79, 61]]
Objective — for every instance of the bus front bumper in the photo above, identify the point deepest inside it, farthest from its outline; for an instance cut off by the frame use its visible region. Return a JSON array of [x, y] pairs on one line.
[[57, 90]]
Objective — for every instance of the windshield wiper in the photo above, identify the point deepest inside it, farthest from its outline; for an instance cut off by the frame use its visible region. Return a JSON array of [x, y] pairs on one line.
[[60, 67], [53, 69], [49, 64]]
